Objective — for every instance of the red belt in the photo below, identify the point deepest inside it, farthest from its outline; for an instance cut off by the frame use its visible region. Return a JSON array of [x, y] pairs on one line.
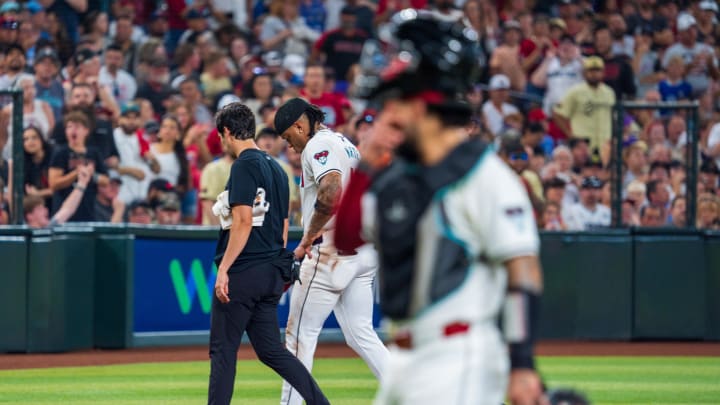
[[404, 339]]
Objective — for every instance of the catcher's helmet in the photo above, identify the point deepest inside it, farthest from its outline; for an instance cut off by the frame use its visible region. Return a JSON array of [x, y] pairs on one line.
[[423, 55]]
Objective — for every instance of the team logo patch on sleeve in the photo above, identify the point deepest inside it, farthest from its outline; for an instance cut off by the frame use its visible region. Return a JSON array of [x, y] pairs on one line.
[[516, 216], [322, 157]]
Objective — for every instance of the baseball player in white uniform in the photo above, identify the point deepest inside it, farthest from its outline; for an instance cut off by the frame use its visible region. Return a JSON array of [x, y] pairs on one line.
[[330, 280], [455, 233]]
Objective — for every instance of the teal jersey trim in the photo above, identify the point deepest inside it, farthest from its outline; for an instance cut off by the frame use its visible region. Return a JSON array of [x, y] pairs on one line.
[[447, 231]]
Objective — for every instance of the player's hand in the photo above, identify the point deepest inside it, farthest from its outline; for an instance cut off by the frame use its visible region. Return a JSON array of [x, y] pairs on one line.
[[221, 287], [303, 248], [525, 388]]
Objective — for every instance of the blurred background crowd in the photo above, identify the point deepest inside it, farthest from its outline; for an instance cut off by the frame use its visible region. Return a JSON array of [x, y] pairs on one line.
[[121, 95]]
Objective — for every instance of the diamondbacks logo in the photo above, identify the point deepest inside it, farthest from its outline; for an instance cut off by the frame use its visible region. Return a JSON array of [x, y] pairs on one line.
[[322, 157]]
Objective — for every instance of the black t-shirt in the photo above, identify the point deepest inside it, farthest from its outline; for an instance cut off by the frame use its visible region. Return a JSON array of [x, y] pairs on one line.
[[620, 76], [342, 51], [36, 175], [103, 213], [256, 180], [156, 96], [66, 159], [100, 138]]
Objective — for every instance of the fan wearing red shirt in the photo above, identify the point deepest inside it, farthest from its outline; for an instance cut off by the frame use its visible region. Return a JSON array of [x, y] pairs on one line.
[[336, 107], [533, 48]]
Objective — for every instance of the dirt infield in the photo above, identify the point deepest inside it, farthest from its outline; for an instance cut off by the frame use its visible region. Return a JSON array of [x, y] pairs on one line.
[[199, 353]]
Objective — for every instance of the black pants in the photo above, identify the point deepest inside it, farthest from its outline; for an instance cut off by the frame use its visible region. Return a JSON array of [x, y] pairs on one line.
[[254, 295]]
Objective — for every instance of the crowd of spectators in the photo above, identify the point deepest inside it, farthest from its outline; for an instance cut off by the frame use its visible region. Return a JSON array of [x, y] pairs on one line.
[[119, 98]]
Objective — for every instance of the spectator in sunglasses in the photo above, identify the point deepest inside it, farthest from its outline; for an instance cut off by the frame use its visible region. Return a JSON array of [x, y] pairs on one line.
[[517, 157]]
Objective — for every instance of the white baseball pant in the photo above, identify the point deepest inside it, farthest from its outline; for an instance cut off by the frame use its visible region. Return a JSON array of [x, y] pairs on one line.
[[343, 284], [463, 369]]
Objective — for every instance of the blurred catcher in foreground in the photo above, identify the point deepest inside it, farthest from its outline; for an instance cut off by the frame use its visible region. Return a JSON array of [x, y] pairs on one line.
[[454, 230]]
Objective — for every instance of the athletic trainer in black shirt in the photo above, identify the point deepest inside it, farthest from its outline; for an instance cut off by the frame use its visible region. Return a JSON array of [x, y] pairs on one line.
[[254, 218]]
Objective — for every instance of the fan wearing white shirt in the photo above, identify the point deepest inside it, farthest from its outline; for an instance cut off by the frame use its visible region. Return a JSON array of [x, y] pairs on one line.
[[122, 84], [588, 213], [497, 108], [559, 71]]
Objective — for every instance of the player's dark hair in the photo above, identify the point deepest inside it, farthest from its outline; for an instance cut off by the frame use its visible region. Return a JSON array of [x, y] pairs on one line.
[[238, 119], [315, 116]]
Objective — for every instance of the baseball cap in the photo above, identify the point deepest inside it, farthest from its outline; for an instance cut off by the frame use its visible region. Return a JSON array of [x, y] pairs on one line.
[[295, 64], [129, 108], [227, 99], [536, 116], [169, 201], [33, 7], [368, 117], [152, 127], [46, 53], [139, 204], [685, 21], [512, 25], [157, 14], [593, 62], [196, 14], [10, 7], [9, 23], [272, 59], [567, 38], [591, 182], [559, 23], [160, 184], [289, 112], [709, 5], [499, 82], [83, 55], [115, 176]]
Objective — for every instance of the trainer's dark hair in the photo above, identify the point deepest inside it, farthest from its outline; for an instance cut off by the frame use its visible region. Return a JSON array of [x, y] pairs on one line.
[[315, 116], [238, 119]]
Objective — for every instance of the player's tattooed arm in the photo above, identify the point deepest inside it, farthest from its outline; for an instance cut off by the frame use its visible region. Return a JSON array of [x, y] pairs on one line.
[[328, 198]]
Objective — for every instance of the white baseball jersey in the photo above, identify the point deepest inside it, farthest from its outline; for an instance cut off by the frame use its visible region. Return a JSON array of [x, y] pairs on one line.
[[325, 152], [486, 217]]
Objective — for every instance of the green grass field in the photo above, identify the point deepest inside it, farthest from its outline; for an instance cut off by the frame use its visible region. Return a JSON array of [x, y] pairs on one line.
[[608, 380]]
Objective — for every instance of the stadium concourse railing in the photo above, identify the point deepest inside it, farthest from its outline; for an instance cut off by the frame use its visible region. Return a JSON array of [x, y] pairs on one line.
[[115, 286]]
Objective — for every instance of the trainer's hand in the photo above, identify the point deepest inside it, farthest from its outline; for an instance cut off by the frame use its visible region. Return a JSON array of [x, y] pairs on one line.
[[221, 287], [526, 389]]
